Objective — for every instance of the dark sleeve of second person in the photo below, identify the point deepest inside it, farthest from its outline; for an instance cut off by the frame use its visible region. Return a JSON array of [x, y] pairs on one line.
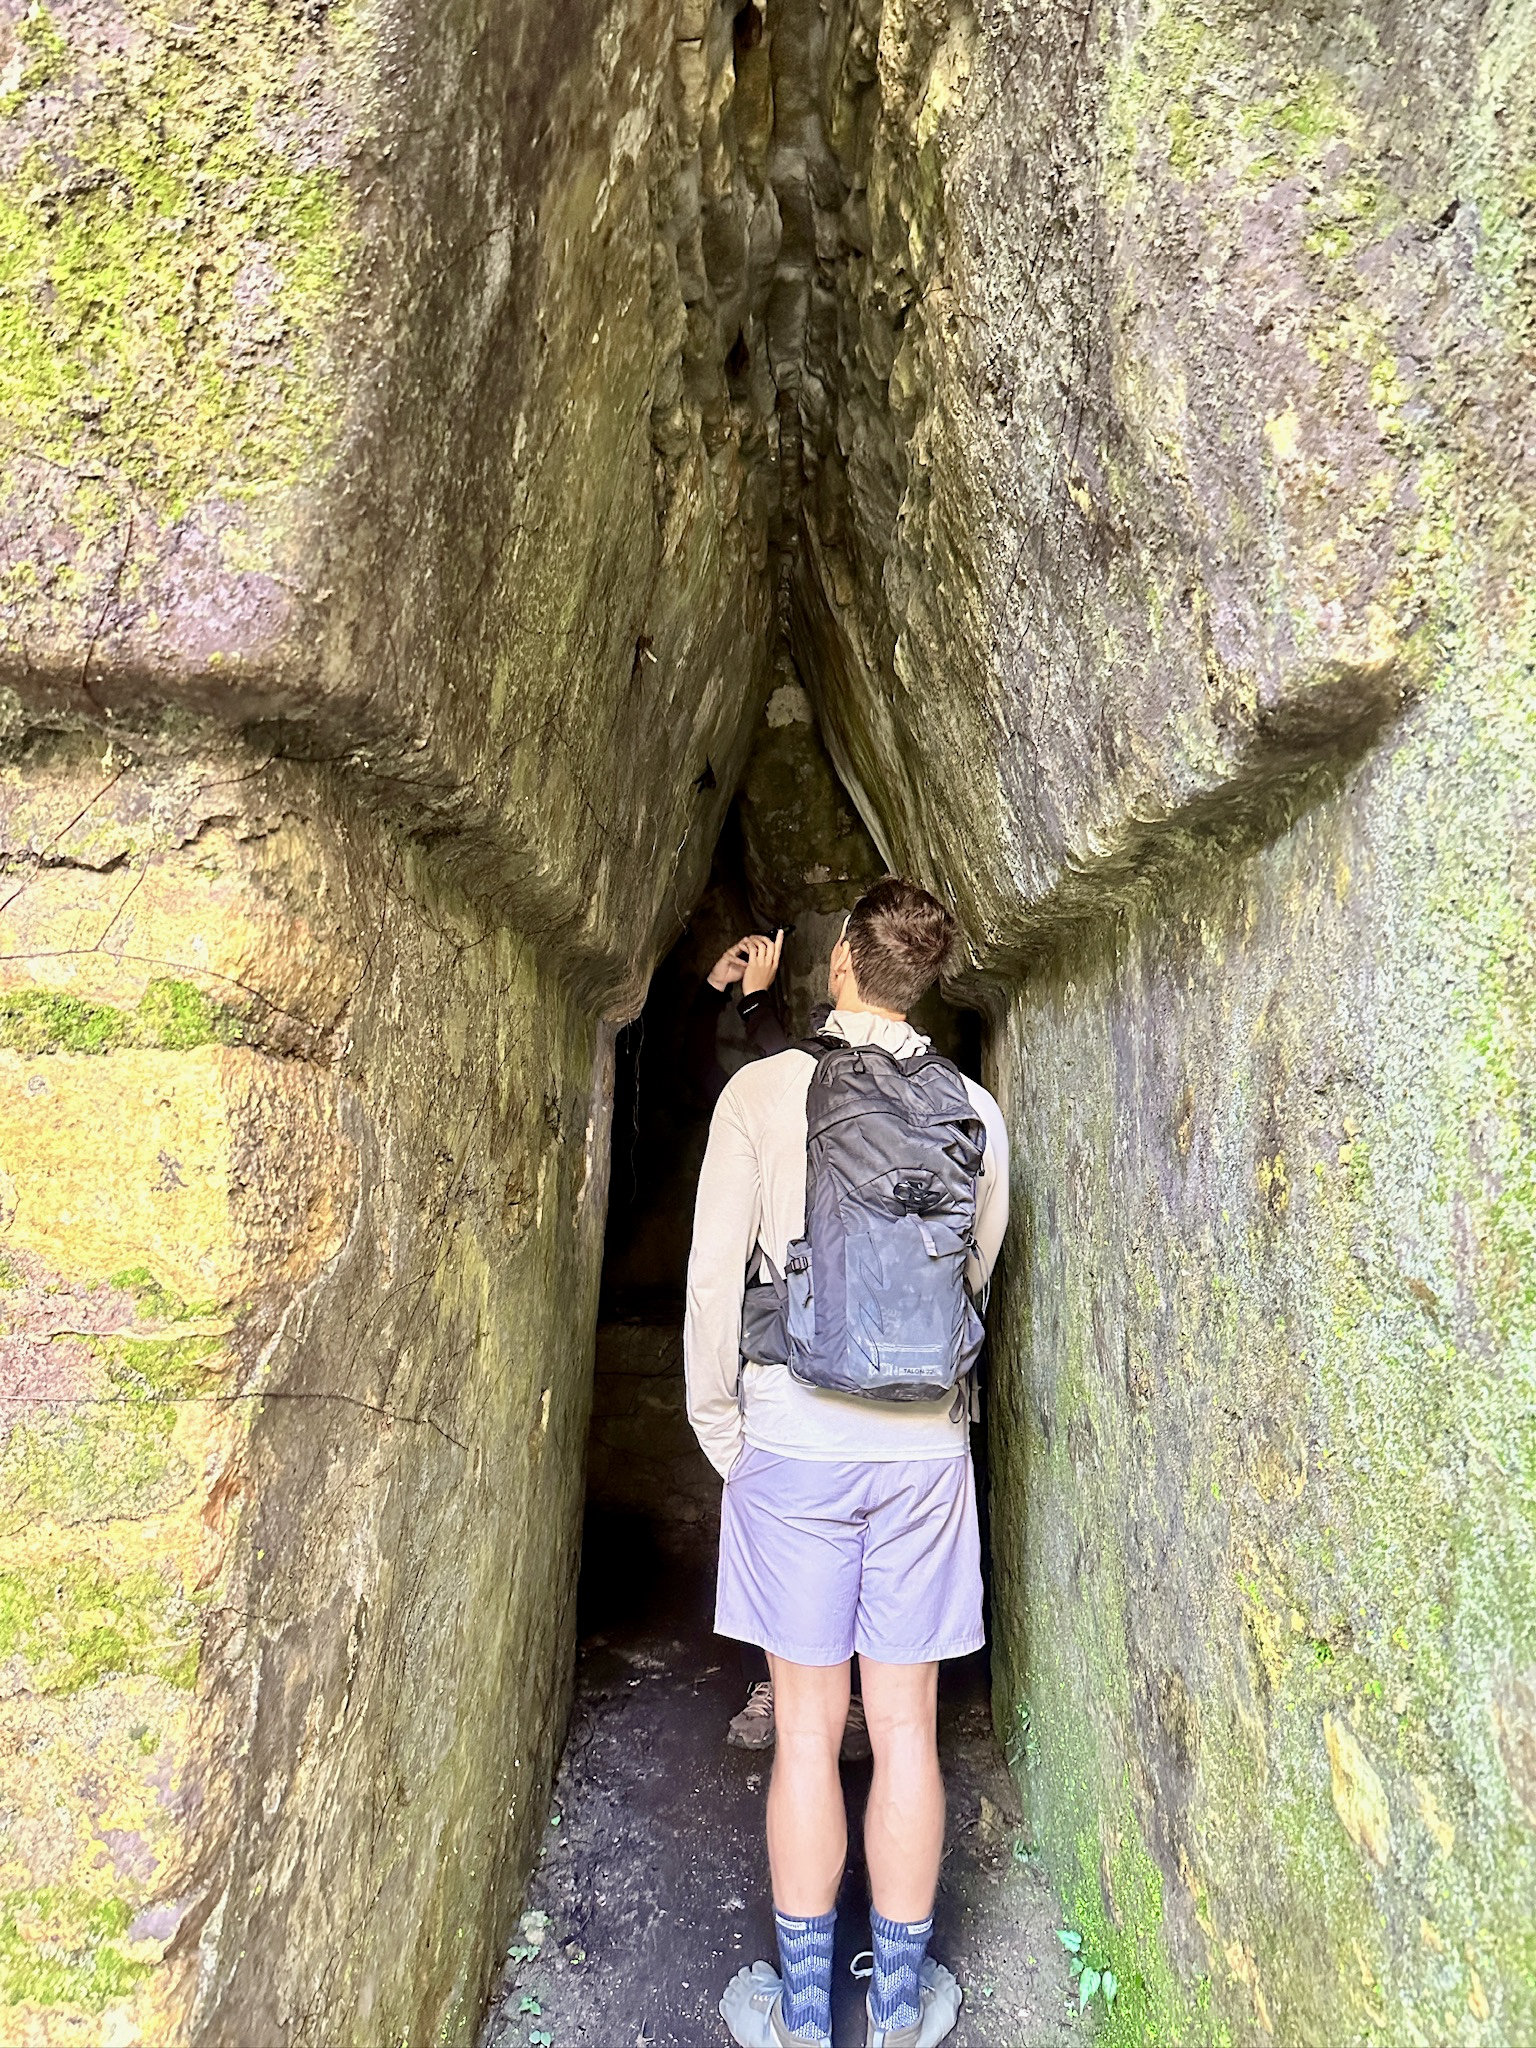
[[701, 1042], [765, 1033]]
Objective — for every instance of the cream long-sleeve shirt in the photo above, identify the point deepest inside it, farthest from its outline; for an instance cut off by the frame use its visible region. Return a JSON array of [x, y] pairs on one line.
[[751, 1193]]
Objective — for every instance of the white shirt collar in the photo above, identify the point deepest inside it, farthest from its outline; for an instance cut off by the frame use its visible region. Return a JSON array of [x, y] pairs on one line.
[[862, 1027]]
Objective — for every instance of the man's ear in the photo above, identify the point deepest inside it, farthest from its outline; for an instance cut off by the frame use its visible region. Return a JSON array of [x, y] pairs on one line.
[[839, 968]]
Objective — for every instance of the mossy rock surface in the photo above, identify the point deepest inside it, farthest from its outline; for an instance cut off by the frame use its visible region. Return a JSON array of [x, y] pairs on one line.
[[171, 1015], [422, 422]]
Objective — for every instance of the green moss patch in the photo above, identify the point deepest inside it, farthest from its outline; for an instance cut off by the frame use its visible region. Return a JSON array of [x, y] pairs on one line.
[[177, 1015], [1215, 102], [94, 1463], [46, 58], [169, 258], [76, 1624], [161, 1368], [171, 1015], [33, 1021], [60, 1946], [156, 1302]]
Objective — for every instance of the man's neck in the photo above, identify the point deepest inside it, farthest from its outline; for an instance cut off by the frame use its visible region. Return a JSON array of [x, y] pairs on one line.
[[854, 1006]]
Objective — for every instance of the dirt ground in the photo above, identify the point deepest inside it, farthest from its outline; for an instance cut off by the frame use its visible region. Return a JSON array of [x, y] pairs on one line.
[[653, 1886]]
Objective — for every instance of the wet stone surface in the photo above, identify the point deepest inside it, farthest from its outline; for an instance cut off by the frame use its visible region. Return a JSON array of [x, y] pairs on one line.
[[653, 1886]]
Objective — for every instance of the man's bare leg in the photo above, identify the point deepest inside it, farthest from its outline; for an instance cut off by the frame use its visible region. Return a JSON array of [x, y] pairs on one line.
[[807, 1847], [904, 1820], [911, 1998], [807, 1820]]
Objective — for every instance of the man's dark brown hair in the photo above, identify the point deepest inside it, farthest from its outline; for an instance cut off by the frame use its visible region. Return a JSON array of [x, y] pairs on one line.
[[900, 938]]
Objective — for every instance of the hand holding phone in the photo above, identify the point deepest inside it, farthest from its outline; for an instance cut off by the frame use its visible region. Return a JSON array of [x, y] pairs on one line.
[[763, 956], [730, 966]]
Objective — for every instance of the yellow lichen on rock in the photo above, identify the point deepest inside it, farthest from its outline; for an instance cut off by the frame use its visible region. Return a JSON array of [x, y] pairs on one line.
[[1358, 1795], [143, 1222], [115, 1563], [132, 1161]]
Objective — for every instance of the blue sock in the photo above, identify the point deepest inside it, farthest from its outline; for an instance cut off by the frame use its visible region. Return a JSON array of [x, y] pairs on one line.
[[805, 1957], [900, 1946]]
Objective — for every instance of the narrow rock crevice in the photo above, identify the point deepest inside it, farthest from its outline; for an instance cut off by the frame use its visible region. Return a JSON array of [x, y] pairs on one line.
[[496, 497]]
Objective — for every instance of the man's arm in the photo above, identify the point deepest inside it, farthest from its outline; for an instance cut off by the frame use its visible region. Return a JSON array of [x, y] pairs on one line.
[[765, 1034], [726, 1218], [991, 1192], [702, 1074]]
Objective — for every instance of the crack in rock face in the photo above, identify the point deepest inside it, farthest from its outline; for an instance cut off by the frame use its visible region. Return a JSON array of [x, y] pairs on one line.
[[491, 490]]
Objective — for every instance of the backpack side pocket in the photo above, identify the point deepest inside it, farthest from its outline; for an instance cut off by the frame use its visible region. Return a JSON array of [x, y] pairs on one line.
[[765, 1316], [800, 1312]]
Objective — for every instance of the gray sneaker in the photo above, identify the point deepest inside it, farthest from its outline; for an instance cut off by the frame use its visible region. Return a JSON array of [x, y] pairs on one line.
[[939, 2014], [753, 1726], [752, 2009]]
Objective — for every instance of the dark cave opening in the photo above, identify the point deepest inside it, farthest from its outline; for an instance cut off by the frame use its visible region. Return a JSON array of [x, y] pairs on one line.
[[652, 1509]]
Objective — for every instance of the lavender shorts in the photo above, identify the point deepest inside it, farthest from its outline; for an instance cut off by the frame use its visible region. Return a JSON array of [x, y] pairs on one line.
[[819, 1560]]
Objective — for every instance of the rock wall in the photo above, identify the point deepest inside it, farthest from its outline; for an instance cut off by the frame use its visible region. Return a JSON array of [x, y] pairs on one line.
[[384, 617], [643, 1459], [403, 409], [1265, 1546], [482, 472], [302, 1276], [1164, 591]]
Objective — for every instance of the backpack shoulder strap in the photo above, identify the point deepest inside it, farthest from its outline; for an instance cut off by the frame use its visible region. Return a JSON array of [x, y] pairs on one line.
[[828, 1041], [930, 1057], [820, 1042]]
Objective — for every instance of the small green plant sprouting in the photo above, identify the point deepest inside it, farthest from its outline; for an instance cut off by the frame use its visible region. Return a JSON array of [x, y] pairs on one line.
[[1092, 1981], [1023, 1743]]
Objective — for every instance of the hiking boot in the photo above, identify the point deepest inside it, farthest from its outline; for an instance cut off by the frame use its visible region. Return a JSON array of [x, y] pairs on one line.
[[939, 1999], [752, 2009], [753, 1726], [855, 1749]]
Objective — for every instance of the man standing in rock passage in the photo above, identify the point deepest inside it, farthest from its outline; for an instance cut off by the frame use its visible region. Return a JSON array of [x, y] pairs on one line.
[[753, 964], [848, 1522]]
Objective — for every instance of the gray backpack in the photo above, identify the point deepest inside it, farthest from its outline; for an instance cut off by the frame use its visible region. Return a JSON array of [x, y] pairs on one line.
[[873, 1299]]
